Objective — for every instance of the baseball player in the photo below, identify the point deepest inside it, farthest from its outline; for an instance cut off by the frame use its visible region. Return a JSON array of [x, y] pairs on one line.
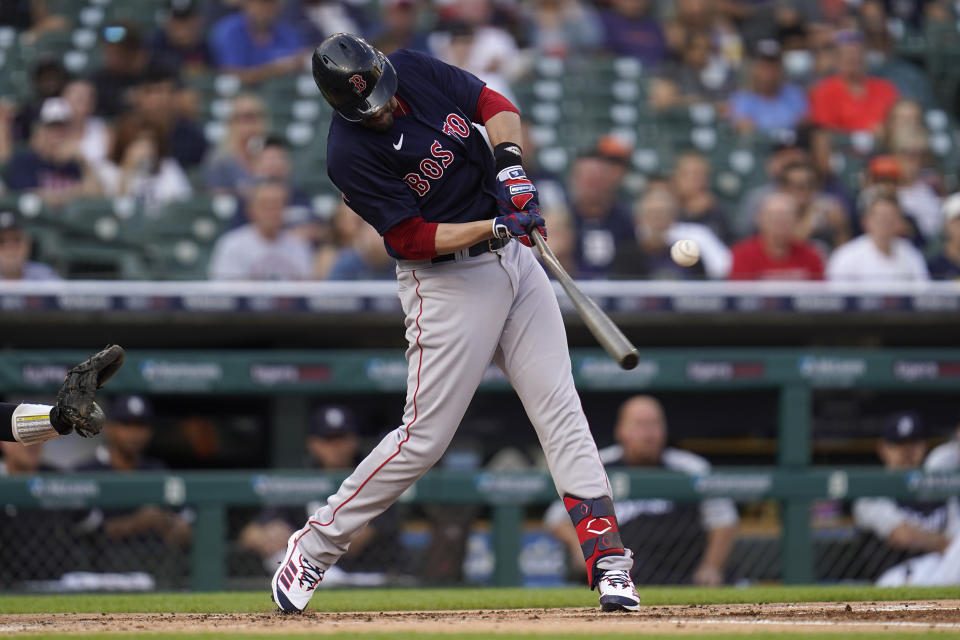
[[914, 537], [404, 151], [74, 409]]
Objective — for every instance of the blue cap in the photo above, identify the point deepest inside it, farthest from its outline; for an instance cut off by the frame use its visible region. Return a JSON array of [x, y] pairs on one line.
[[131, 409], [903, 427], [330, 421]]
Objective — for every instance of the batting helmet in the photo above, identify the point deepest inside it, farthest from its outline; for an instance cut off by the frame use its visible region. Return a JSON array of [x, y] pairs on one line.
[[355, 78]]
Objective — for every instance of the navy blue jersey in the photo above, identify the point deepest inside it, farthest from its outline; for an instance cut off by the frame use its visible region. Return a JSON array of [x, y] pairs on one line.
[[432, 162]]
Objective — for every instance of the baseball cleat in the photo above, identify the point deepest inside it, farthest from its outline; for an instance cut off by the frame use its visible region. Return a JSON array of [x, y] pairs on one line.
[[295, 579], [617, 592]]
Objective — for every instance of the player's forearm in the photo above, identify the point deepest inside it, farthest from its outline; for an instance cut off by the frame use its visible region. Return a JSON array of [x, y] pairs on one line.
[[504, 127], [914, 539], [719, 544], [453, 236]]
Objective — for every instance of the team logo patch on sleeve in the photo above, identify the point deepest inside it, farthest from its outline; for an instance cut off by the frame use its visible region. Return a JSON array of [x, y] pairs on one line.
[[359, 84]]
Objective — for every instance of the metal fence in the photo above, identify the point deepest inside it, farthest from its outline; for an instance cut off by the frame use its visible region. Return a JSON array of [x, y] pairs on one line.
[[455, 527]]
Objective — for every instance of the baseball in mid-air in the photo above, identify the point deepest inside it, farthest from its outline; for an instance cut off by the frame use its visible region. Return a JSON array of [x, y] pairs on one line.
[[685, 253]]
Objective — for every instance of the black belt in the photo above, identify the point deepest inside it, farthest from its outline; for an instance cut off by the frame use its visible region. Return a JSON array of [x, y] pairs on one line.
[[474, 250]]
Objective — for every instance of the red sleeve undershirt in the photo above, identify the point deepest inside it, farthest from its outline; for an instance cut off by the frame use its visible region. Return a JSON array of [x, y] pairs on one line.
[[415, 238]]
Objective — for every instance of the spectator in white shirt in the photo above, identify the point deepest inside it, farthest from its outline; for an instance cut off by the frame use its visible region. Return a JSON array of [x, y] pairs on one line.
[[880, 254], [262, 249]]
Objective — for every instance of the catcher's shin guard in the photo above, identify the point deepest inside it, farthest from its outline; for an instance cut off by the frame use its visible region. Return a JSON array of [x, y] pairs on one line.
[[597, 529]]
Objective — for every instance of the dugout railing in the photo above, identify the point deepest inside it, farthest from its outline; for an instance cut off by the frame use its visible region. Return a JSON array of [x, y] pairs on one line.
[[293, 379], [507, 495]]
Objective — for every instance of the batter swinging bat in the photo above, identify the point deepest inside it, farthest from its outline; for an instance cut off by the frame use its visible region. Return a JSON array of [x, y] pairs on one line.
[[601, 326]]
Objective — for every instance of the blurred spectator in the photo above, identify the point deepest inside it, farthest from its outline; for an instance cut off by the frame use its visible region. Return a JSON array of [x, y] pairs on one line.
[[15, 247], [776, 253], [672, 542], [698, 77], [140, 165], [273, 164], [908, 528], [851, 100], [8, 115], [32, 18], [230, 166], [769, 104], [154, 99], [333, 444], [345, 226], [317, 19], [918, 199], [882, 62], [132, 539], [945, 265], [646, 255], [53, 166], [691, 185], [91, 131], [471, 42], [124, 59], [181, 43], [823, 218], [367, 259], [399, 27], [48, 79], [631, 29], [255, 44], [781, 155], [262, 249], [711, 18], [601, 219], [906, 116], [880, 254]]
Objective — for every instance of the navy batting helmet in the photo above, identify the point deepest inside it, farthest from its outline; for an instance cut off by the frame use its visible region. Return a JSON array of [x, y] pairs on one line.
[[355, 78]]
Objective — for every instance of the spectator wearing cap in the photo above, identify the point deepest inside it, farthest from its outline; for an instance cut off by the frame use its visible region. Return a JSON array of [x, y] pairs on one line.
[[776, 252], [263, 249], [770, 104], [601, 218], [945, 265], [155, 98], [15, 246], [400, 27], [124, 61], [332, 445], [256, 44], [53, 167], [180, 42], [897, 531], [127, 536], [880, 254], [851, 100]]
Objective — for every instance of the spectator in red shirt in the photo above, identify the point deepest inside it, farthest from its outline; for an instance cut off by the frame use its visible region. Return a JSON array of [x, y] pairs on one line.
[[775, 253], [851, 100]]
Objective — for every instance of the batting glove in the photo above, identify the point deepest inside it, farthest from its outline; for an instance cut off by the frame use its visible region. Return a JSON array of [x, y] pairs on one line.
[[519, 225], [517, 193]]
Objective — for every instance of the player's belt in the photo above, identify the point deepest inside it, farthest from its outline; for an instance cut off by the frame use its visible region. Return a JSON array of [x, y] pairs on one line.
[[474, 250]]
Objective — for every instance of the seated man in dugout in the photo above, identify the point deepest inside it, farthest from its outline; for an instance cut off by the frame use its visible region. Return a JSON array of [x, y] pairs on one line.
[[673, 542]]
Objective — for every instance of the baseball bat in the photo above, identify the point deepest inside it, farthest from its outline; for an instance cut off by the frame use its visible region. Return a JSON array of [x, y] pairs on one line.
[[600, 325]]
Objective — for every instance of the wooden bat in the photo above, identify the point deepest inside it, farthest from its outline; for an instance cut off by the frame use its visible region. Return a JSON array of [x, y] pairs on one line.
[[600, 325]]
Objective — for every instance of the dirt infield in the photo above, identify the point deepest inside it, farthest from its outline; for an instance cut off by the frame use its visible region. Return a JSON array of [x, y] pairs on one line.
[[864, 617]]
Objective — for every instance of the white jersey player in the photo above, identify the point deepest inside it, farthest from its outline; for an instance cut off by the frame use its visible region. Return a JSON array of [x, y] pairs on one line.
[[922, 528]]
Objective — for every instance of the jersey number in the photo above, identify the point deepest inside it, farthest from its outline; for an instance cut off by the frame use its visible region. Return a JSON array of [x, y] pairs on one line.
[[430, 168]]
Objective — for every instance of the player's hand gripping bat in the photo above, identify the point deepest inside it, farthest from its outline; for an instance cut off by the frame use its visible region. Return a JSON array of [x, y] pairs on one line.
[[601, 326]]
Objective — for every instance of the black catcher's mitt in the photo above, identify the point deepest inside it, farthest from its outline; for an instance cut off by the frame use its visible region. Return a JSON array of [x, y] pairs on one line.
[[75, 408]]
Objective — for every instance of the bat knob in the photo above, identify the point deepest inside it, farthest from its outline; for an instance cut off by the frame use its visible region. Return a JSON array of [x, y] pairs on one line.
[[630, 360]]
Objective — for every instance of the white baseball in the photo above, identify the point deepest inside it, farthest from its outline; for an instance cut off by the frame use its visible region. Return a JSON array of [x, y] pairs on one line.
[[685, 253]]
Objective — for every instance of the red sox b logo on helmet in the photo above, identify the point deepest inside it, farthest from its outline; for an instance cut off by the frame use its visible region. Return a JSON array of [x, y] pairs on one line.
[[359, 84]]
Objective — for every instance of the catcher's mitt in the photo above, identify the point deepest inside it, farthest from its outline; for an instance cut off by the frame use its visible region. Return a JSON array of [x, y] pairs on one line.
[[75, 409]]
